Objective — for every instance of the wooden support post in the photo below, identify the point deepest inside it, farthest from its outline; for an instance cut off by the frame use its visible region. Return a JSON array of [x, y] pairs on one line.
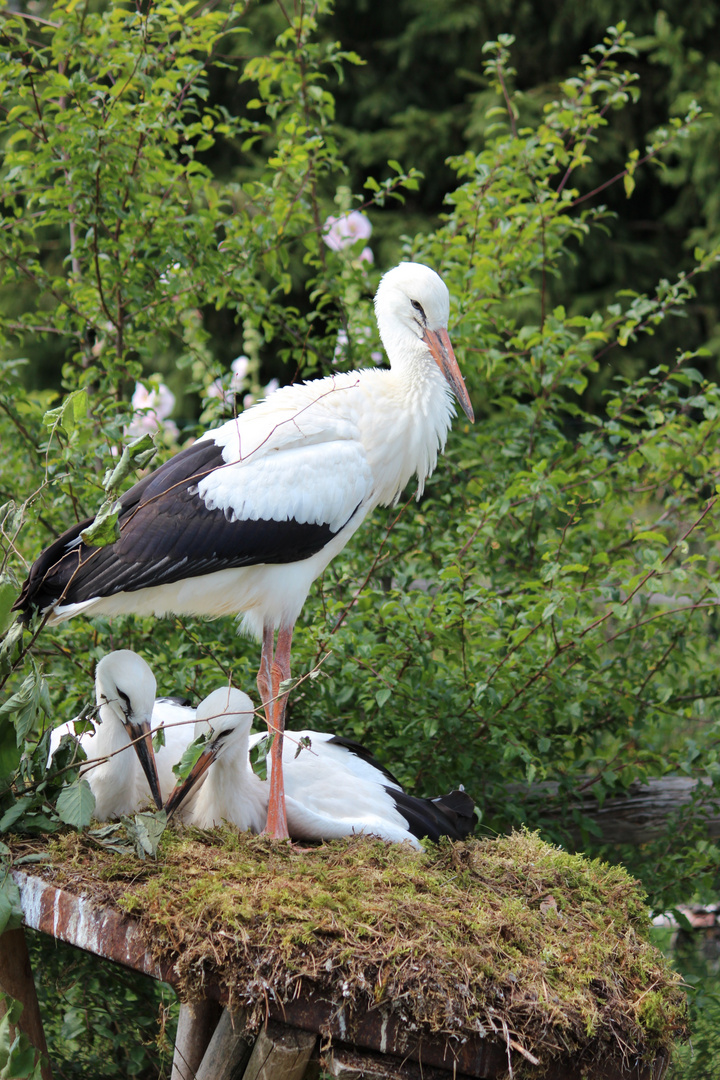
[[196, 1023], [280, 1053], [229, 1048], [16, 980]]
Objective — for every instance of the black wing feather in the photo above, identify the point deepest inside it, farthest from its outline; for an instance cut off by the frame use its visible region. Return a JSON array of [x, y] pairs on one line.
[[448, 815], [167, 534]]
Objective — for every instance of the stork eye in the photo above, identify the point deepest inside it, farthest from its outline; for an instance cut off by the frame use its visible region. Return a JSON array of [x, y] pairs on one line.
[[222, 734], [419, 308], [124, 698]]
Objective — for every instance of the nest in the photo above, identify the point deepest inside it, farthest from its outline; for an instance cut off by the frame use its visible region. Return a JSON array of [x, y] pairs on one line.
[[509, 937]]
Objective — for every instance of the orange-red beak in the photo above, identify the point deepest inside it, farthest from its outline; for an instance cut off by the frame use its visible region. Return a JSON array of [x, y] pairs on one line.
[[438, 342]]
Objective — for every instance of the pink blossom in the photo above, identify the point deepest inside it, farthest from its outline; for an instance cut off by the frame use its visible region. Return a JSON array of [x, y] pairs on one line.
[[341, 344], [152, 407], [218, 389], [366, 255], [170, 272], [342, 232], [161, 401], [239, 367], [362, 335], [215, 389]]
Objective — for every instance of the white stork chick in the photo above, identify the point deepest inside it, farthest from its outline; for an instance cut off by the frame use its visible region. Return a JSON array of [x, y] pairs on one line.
[[121, 766], [333, 786], [245, 519], [121, 780], [221, 785]]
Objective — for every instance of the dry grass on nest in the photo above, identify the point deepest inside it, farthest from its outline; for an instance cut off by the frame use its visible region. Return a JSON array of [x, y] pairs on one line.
[[460, 938]]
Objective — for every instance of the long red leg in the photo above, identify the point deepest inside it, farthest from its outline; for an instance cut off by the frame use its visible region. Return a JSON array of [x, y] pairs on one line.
[[277, 820], [264, 676]]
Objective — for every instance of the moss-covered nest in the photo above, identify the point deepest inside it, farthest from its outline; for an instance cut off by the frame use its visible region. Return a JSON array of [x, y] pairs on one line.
[[508, 936]]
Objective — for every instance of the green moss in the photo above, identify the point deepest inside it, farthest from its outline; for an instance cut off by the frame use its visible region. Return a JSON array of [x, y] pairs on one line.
[[465, 936]]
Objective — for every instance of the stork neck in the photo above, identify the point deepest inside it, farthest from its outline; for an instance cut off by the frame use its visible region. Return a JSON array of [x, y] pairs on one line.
[[412, 406], [233, 791]]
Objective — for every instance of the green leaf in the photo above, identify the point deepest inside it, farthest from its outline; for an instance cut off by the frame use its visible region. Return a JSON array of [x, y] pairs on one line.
[[650, 535], [33, 858], [190, 755], [145, 831], [14, 812], [136, 455], [114, 837], [67, 415], [12, 636], [8, 596], [19, 1059], [259, 756], [104, 529], [76, 803], [23, 706], [11, 915]]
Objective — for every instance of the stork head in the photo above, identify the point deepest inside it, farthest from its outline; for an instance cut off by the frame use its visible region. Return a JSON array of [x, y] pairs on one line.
[[412, 306], [223, 719], [125, 689]]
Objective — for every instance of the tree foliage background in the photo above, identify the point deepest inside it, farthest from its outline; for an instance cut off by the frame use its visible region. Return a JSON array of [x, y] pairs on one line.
[[548, 611]]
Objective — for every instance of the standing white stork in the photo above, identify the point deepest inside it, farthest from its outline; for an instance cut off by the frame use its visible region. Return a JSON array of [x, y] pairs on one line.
[[333, 786], [246, 518], [128, 713]]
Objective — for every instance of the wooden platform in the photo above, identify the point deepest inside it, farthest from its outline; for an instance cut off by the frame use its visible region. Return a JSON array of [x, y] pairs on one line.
[[298, 1035]]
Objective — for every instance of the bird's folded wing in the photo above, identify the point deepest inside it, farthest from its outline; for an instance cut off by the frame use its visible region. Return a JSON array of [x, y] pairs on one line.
[[201, 512], [308, 480]]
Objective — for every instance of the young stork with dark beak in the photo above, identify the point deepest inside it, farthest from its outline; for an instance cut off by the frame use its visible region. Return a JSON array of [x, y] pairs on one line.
[[121, 767], [246, 518], [333, 786]]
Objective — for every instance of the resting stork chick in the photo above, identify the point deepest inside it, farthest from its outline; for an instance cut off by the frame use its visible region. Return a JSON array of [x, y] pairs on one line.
[[333, 786], [245, 519], [121, 780], [121, 767]]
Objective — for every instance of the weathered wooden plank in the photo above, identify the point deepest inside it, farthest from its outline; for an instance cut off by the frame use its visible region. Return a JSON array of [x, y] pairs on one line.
[[640, 815], [196, 1023], [79, 921], [229, 1048], [386, 1033], [16, 980], [347, 1063], [280, 1053]]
